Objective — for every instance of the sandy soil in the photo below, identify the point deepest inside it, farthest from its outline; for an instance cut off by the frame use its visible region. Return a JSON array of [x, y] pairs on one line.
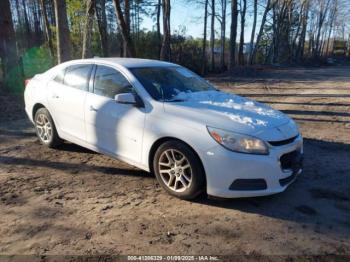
[[74, 201]]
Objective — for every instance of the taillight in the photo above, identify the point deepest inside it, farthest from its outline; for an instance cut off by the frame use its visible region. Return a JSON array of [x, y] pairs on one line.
[[26, 82]]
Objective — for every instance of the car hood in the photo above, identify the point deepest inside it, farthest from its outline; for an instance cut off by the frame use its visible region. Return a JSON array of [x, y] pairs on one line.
[[233, 113]]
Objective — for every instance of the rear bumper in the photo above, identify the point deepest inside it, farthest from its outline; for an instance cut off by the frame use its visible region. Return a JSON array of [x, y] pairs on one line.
[[29, 114], [234, 175]]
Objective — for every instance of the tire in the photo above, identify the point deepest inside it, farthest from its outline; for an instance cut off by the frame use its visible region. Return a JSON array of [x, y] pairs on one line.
[[182, 177], [45, 128]]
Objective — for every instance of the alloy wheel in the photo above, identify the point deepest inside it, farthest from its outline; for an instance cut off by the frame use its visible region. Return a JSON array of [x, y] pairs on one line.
[[175, 170], [44, 128]]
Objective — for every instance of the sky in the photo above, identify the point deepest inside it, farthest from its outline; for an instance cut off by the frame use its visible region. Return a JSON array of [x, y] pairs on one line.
[[191, 16]]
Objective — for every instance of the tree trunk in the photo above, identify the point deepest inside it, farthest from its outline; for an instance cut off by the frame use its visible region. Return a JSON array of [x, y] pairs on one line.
[[19, 16], [332, 20], [20, 42], [233, 34], [204, 46], [223, 34], [127, 24], [159, 6], [129, 49], [322, 16], [8, 51], [165, 53], [272, 57], [26, 25], [37, 26], [251, 45], [283, 32], [90, 11], [51, 12], [212, 36], [263, 21], [62, 29], [299, 26], [47, 26], [241, 42], [301, 45], [349, 46], [100, 9]]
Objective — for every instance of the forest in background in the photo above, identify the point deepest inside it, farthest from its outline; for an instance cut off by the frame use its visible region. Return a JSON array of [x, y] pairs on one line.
[[37, 34]]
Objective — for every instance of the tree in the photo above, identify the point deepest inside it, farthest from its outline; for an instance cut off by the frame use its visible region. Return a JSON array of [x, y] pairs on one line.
[[159, 7], [263, 21], [26, 24], [252, 37], [63, 38], [280, 51], [233, 34], [323, 9], [37, 24], [212, 36], [331, 23], [100, 9], [127, 25], [165, 52], [348, 46], [241, 42], [47, 26], [204, 45], [129, 49], [8, 51], [90, 11], [223, 33], [304, 21], [290, 31]]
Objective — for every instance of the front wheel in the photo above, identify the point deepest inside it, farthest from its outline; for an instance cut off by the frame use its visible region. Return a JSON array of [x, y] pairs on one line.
[[178, 169], [46, 129]]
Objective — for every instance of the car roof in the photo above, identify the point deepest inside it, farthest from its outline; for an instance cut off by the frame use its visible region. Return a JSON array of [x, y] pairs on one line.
[[130, 62]]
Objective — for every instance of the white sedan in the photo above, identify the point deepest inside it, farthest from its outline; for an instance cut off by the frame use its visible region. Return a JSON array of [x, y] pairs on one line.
[[165, 119]]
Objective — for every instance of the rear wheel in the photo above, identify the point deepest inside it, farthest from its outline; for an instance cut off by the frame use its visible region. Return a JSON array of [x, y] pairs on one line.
[[178, 170], [46, 129]]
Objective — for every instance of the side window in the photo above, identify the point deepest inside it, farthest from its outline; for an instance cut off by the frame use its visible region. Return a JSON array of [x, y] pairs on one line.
[[59, 77], [109, 82], [77, 76]]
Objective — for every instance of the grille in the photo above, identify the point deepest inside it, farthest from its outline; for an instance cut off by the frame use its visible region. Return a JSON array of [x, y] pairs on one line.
[[282, 142]]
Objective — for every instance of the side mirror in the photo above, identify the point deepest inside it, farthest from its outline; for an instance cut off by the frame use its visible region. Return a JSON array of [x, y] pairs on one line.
[[125, 98]]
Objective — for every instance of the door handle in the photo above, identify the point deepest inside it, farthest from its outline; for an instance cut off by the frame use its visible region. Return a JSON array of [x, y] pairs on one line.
[[55, 96], [93, 109]]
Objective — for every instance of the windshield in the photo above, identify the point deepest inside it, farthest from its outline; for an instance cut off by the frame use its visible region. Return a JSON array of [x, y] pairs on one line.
[[165, 83]]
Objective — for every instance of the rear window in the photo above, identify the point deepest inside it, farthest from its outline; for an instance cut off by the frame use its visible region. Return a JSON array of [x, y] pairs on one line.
[[60, 76], [77, 76]]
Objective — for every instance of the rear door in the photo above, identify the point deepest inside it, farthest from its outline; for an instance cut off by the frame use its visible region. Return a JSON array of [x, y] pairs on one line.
[[110, 126], [67, 94]]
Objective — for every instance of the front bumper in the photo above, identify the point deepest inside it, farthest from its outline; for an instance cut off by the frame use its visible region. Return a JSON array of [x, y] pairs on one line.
[[266, 172]]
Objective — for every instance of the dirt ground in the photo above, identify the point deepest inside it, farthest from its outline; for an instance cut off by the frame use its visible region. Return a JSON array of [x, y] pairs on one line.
[[73, 201]]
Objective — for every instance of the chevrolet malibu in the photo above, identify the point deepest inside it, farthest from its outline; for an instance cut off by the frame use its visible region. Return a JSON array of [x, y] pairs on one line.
[[165, 119]]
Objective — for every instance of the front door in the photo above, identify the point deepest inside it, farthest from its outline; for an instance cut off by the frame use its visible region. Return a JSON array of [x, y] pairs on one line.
[[110, 126]]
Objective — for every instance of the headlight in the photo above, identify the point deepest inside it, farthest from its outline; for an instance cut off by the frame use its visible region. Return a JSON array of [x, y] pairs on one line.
[[238, 142]]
